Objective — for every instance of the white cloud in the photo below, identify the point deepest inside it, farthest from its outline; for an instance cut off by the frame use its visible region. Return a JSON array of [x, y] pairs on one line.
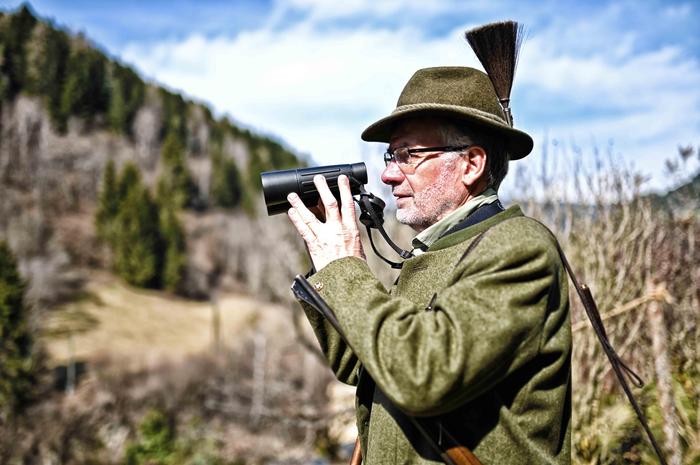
[[322, 10], [318, 87], [317, 91]]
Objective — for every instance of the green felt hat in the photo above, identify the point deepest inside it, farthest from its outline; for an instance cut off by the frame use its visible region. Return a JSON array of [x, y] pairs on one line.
[[459, 93]]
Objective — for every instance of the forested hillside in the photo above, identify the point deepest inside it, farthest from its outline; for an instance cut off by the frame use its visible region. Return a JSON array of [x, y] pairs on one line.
[[100, 168]]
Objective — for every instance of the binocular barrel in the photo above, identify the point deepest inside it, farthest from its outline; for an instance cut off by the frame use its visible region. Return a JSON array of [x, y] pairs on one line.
[[278, 184]]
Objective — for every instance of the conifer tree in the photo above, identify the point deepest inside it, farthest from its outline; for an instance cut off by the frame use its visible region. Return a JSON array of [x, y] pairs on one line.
[[108, 204], [138, 246], [127, 92], [175, 111], [85, 93], [15, 30], [175, 182], [16, 361], [175, 190], [225, 184], [130, 177], [175, 259], [47, 57]]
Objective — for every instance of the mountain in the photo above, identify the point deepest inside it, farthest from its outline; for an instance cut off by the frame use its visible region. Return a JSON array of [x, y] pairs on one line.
[[68, 109], [684, 199]]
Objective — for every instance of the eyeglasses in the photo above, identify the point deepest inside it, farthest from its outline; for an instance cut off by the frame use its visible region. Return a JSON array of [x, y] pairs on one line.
[[403, 156]]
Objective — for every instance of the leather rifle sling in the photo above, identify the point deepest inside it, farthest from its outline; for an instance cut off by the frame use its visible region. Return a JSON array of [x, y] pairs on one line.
[[619, 367]]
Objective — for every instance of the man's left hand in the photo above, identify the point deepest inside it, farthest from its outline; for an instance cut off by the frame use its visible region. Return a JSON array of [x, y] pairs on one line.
[[339, 235]]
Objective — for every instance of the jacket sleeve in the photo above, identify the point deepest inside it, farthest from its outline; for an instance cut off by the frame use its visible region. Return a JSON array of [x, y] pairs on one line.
[[341, 358], [482, 327]]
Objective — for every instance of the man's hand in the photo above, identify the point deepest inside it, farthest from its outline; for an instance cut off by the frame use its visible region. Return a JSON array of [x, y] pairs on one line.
[[339, 235]]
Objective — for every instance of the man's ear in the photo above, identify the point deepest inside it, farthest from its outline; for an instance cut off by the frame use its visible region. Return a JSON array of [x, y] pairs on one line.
[[474, 168]]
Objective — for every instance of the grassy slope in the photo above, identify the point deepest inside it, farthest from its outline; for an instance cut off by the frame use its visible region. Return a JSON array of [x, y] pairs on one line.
[[135, 325]]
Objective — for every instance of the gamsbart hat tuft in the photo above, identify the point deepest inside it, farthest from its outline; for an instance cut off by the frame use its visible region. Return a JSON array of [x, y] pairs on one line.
[[464, 95]]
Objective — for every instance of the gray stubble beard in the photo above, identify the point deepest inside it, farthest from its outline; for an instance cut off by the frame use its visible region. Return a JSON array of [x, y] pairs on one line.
[[415, 216]]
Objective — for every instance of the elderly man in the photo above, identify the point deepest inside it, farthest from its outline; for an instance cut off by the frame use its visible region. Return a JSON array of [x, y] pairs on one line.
[[475, 334]]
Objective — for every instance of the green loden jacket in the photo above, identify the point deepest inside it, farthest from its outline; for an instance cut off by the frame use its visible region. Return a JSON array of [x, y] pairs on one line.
[[480, 344]]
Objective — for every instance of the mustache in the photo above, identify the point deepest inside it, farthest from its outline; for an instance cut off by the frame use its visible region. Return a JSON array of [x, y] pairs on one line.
[[399, 193]]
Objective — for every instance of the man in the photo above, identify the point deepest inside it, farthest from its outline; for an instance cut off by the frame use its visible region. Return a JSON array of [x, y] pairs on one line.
[[475, 334]]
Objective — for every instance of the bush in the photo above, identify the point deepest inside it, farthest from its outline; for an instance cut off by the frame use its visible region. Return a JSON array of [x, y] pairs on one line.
[[156, 445], [16, 343]]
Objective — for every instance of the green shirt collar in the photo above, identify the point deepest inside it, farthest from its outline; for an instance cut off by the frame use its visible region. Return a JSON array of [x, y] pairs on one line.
[[427, 237]]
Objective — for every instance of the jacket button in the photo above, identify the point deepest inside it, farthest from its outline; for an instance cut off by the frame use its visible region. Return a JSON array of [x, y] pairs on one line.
[[318, 286]]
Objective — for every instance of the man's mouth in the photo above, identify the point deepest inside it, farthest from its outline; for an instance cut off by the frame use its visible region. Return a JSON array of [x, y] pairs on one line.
[[401, 199]]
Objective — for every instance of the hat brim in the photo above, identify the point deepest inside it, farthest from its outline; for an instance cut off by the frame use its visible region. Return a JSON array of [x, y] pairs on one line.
[[517, 143]]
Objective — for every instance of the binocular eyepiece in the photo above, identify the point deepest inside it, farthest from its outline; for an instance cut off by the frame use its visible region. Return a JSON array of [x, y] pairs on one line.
[[278, 184]]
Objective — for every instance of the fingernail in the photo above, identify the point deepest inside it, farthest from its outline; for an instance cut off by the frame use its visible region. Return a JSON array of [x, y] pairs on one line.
[[291, 196]]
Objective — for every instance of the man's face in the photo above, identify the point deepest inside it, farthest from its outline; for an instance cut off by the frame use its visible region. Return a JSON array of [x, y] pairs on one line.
[[435, 188]]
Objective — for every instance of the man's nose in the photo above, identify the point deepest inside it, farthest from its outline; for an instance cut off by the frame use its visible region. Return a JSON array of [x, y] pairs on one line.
[[392, 174]]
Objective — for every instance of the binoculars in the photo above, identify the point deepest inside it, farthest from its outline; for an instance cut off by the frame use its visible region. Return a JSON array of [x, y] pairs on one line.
[[278, 184]]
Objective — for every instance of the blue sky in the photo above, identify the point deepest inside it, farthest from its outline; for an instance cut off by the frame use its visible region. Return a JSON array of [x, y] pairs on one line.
[[316, 72]]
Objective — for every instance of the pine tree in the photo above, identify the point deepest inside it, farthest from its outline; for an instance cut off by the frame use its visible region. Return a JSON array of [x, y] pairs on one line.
[[108, 204], [138, 246], [85, 93], [16, 343], [127, 92], [175, 258], [225, 184], [175, 111], [130, 177], [175, 182], [15, 31], [47, 58]]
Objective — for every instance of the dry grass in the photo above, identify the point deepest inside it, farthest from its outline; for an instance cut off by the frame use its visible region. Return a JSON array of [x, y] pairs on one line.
[[121, 322]]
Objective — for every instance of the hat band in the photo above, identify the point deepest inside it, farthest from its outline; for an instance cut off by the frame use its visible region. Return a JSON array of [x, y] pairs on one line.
[[444, 106]]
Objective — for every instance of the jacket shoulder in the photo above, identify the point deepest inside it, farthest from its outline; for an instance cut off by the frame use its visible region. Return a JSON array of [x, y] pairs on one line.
[[515, 240]]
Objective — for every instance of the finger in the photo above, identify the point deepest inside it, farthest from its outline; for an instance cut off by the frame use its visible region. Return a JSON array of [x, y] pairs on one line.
[[304, 213], [304, 230], [346, 200], [330, 203]]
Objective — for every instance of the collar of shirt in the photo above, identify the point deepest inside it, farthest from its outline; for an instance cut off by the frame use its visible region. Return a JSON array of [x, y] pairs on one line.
[[428, 236]]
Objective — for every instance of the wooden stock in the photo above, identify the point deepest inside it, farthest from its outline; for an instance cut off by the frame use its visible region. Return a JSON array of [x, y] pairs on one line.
[[356, 453], [460, 455]]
